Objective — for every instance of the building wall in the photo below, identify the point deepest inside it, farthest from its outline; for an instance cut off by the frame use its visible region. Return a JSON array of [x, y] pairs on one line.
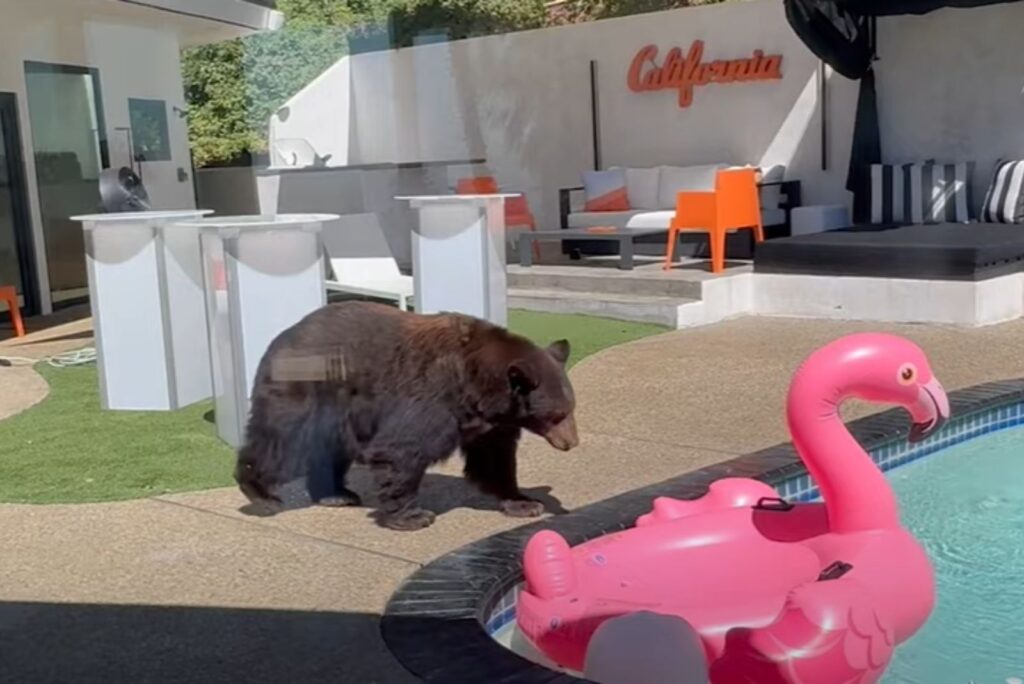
[[137, 53], [522, 101]]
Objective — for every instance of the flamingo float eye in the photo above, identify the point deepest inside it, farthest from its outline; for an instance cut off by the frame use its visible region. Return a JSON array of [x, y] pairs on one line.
[[908, 374]]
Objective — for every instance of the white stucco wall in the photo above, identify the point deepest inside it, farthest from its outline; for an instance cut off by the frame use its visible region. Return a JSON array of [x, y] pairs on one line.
[[951, 87]]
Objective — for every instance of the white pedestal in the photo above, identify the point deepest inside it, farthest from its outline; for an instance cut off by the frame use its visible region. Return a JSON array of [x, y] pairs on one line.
[[146, 294], [818, 218], [458, 255], [263, 275]]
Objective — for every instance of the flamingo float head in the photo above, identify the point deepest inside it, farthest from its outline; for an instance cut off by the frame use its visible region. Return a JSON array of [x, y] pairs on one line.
[[887, 369]]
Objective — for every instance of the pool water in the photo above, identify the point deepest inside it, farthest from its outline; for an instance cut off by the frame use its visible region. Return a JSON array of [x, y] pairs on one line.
[[966, 505]]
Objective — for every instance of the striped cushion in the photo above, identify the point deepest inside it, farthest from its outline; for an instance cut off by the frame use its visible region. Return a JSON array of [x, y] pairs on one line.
[[921, 193], [1004, 201], [605, 190]]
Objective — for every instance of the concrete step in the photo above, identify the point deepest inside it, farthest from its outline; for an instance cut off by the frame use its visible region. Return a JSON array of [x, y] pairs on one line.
[[610, 281], [624, 307]]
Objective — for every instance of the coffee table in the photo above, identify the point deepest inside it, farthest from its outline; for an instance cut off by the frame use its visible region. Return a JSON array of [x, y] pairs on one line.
[[624, 236]]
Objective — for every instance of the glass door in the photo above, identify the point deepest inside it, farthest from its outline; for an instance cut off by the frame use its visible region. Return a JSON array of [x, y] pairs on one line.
[[17, 262], [69, 141]]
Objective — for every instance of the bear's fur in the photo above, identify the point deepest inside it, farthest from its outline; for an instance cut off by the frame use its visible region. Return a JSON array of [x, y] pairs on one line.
[[399, 392]]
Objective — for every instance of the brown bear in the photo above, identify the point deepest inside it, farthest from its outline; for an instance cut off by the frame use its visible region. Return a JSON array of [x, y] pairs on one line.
[[399, 392]]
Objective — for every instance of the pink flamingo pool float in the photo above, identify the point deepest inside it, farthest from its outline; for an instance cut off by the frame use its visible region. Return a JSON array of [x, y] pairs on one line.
[[809, 593]]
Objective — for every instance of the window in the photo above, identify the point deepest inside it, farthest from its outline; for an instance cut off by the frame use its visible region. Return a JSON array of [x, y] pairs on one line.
[[149, 129]]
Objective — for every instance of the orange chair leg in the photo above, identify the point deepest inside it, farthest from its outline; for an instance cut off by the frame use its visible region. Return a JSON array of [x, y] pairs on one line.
[[759, 233], [19, 325], [716, 241], [670, 248], [536, 246], [11, 297]]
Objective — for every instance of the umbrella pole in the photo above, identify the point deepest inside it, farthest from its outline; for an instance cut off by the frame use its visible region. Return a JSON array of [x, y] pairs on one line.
[[823, 104]]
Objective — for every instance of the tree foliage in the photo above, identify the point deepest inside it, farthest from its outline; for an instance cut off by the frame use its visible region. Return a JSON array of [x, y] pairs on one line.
[[574, 11], [234, 87], [457, 19]]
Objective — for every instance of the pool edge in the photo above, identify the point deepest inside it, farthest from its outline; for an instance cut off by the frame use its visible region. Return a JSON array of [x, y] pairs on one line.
[[434, 623]]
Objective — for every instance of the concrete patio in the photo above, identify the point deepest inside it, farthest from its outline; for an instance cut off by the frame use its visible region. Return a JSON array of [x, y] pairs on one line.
[[187, 588]]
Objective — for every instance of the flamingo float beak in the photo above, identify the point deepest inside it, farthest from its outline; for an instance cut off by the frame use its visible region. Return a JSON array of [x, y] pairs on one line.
[[930, 412]]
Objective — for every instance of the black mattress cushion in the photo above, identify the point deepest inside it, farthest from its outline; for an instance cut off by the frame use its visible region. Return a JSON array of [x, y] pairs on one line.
[[945, 251]]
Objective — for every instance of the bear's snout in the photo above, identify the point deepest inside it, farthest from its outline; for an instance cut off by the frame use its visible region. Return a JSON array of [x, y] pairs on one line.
[[563, 436]]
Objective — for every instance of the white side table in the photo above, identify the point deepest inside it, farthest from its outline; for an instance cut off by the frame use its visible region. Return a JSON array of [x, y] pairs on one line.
[[458, 255], [146, 294], [263, 275], [819, 218]]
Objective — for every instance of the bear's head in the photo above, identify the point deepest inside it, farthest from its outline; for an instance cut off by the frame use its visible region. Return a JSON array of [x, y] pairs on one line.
[[542, 398]]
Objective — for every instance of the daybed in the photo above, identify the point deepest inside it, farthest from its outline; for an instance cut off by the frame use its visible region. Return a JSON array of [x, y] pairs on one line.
[[912, 235]]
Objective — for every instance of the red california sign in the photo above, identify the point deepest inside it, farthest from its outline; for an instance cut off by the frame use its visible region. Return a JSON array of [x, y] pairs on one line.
[[683, 74]]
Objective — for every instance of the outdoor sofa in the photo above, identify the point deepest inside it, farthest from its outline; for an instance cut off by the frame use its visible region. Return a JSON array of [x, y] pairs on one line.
[[652, 195]]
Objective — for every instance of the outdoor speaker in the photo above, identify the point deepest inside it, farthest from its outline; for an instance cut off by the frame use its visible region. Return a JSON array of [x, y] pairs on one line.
[[122, 190]]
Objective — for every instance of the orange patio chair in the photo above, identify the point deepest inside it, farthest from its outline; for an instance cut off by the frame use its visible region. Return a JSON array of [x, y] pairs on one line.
[[733, 205], [10, 295], [517, 210]]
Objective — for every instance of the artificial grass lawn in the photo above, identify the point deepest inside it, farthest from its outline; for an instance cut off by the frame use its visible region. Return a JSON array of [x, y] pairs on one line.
[[67, 450]]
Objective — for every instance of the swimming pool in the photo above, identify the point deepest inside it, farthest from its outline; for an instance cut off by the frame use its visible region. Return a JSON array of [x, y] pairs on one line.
[[966, 505]]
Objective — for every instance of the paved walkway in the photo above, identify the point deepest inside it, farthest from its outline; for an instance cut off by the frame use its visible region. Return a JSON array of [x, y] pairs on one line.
[[187, 588], [20, 386]]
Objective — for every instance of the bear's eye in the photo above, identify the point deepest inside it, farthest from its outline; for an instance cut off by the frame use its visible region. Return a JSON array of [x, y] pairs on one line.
[[908, 374]]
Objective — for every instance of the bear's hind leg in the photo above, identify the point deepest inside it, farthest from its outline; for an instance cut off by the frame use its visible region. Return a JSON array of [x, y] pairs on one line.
[[414, 436], [491, 466], [340, 495]]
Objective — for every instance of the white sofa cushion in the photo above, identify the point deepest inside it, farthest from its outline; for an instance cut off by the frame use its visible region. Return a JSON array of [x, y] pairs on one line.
[[676, 179], [640, 220], [642, 186], [593, 219], [643, 220], [651, 219]]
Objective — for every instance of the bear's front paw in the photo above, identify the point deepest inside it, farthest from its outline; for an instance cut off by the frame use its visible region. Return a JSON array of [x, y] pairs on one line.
[[522, 508], [409, 520]]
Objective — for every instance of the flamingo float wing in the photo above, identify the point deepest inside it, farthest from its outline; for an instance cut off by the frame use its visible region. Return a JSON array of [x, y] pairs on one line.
[[828, 631], [730, 492]]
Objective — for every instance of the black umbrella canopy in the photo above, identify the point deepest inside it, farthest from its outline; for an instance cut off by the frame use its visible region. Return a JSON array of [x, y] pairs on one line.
[[840, 31], [886, 8]]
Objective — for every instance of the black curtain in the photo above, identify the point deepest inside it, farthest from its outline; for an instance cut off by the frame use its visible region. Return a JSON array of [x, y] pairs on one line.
[[865, 150]]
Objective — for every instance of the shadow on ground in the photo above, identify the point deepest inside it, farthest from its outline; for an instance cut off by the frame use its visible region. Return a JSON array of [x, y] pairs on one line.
[[81, 335], [46, 643], [439, 493]]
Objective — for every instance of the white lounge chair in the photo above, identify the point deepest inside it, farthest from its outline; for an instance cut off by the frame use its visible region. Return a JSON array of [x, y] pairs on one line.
[[362, 262]]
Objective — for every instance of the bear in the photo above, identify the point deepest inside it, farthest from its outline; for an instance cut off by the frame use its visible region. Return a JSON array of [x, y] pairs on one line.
[[360, 382]]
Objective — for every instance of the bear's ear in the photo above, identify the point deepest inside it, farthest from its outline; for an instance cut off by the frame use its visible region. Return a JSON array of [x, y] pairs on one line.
[[560, 350], [520, 379]]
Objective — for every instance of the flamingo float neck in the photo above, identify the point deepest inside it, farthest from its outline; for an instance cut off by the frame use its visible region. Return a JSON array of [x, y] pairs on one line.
[[857, 495]]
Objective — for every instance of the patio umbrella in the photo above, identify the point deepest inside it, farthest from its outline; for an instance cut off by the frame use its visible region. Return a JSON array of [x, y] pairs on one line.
[[842, 34]]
